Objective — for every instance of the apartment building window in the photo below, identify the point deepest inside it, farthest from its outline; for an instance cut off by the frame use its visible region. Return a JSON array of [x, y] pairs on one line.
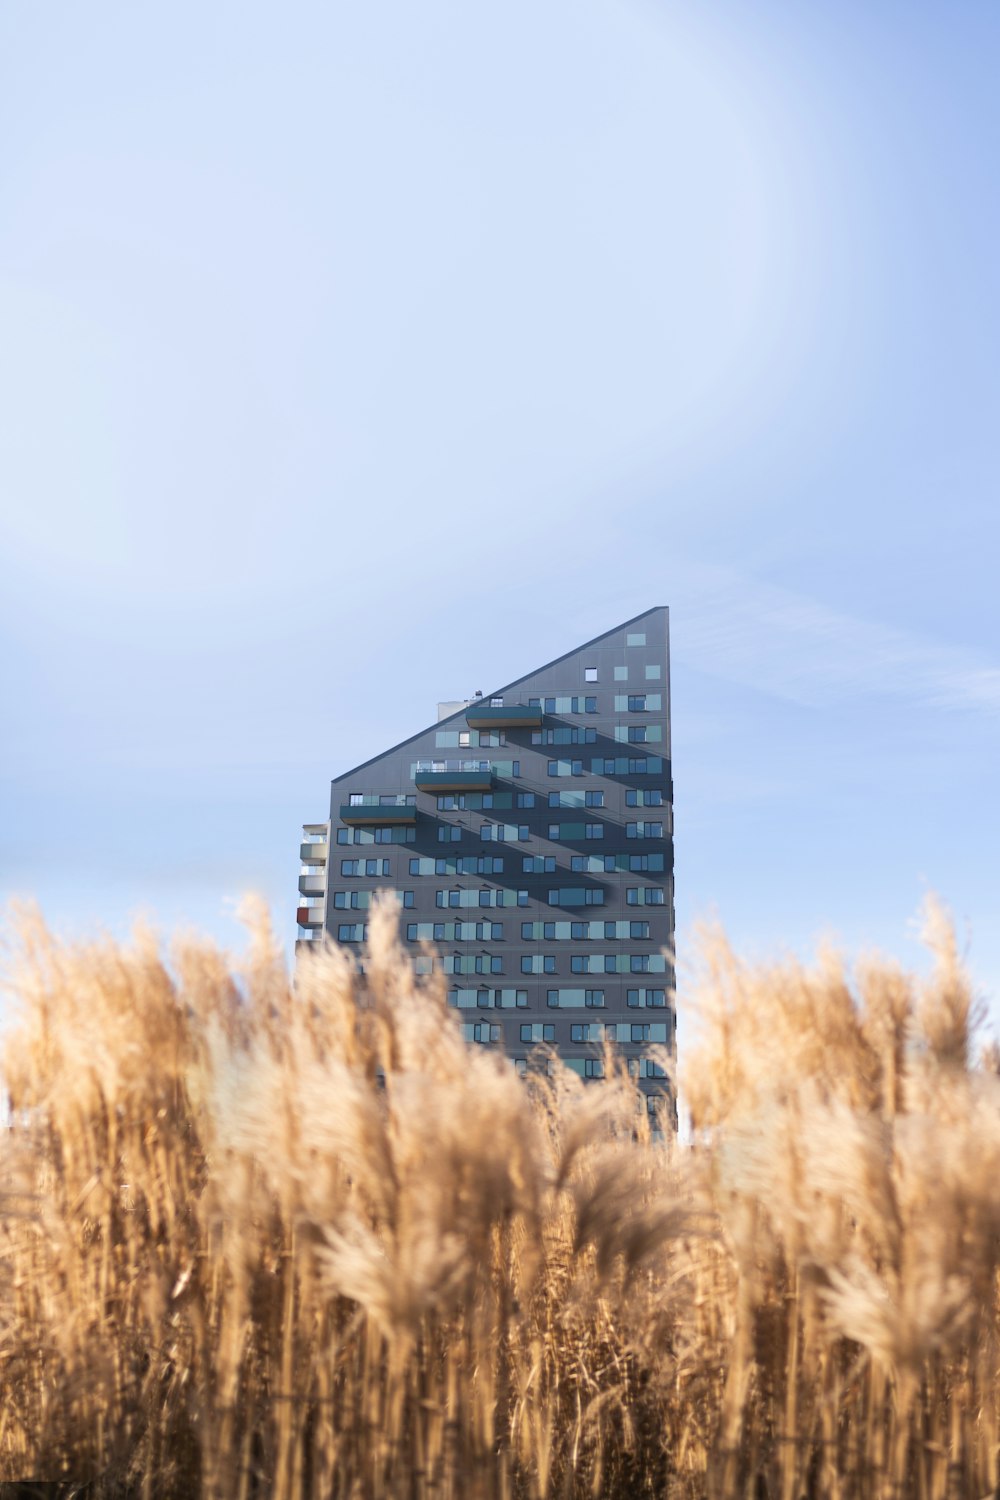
[[352, 868], [538, 963], [585, 1031], [538, 864], [472, 963], [590, 674], [593, 1067], [484, 1032], [525, 799], [655, 999], [636, 638], [645, 765], [565, 705], [503, 832], [537, 1031], [385, 835], [650, 895], [575, 999], [653, 671], [565, 767], [449, 833], [644, 830], [576, 830], [352, 932], [644, 797], [575, 799], [640, 862], [576, 895]]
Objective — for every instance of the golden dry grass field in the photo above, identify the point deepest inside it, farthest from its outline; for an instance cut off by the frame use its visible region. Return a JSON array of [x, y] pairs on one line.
[[271, 1239]]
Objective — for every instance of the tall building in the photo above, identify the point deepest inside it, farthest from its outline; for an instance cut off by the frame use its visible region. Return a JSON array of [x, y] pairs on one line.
[[529, 836]]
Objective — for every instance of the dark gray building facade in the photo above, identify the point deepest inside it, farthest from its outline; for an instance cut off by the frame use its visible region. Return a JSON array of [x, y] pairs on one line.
[[529, 836]]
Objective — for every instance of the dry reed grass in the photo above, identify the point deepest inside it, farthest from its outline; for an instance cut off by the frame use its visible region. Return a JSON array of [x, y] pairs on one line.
[[259, 1239]]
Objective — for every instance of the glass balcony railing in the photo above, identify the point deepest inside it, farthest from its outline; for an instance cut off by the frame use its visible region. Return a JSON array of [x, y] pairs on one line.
[[422, 767], [497, 716], [380, 799]]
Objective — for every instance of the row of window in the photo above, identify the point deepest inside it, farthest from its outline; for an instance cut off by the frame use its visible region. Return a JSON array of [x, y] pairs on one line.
[[563, 704], [384, 835], [628, 1032], [609, 863], [639, 734], [458, 864], [647, 765], [638, 703], [577, 931], [361, 900], [482, 1031], [581, 798], [509, 833], [593, 1067], [576, 831], [469, 739], [565, 734], [492, 963], [482, 801], [596, 963], [481, 998], [358, 900], [471, 963], [484, 999], [576, 895], [618, 963], [453, 932], [512, 833], [649, 895], [486, 896], [500, 801], [352, 868]]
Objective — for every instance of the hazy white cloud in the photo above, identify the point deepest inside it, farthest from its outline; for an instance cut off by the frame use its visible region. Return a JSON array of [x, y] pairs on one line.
[[798, 649]]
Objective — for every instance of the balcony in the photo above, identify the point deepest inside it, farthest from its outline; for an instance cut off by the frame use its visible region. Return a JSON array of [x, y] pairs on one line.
[[514, 716], [312, 885], [314, 853], [357, 814], [309, 916], [453, 775]]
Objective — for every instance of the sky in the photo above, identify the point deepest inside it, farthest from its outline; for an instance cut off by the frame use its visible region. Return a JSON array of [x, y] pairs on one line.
[[355, 357]]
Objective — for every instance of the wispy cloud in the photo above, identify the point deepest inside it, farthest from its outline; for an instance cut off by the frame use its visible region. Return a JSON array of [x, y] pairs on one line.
[[795, 648]]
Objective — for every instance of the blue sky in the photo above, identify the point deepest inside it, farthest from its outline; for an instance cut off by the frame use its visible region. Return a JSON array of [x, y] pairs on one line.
[[353, 357]]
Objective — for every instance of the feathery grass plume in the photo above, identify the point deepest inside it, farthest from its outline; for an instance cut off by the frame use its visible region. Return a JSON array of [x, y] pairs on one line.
[[294, 1238]]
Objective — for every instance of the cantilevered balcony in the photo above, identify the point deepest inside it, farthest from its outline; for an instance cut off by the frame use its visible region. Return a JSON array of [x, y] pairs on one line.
[[493, 716], [312, 884], [371, 810], [453, 775], [310, 916], [314, 853]]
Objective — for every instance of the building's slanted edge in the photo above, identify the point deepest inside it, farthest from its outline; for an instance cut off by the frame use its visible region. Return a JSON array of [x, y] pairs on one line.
[[505, 688]]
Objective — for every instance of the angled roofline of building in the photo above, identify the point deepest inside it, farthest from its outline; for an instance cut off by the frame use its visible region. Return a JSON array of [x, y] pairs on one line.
[[505, 687]]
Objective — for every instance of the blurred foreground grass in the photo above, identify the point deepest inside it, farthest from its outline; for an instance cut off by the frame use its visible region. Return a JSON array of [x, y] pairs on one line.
[[264, 1240]]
